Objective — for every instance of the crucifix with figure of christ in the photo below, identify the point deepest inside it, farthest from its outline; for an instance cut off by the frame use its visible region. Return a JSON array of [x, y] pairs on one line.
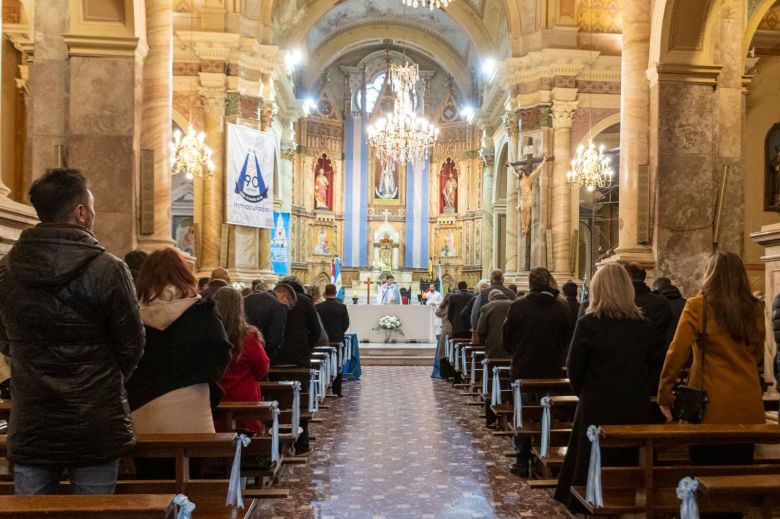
[[526, 171]]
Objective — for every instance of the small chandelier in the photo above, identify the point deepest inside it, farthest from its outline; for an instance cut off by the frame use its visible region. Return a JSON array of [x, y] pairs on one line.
[[430, 4], [590, 169], [402, 136], [190, 155]]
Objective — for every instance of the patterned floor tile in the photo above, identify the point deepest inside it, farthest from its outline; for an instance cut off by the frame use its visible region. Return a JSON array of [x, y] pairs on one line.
[[400, 445]]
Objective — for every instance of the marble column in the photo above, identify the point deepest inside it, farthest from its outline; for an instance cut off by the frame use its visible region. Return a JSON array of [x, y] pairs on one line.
[[156, 117], [213, 202], [488, 167], [634, 123], [512, 127], [561, 224]]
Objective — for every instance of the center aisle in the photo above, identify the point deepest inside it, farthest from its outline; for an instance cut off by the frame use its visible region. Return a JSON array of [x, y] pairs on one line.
[[401, 445]]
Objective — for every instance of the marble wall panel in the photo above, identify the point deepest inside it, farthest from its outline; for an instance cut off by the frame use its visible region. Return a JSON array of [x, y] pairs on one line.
[[112, 111]]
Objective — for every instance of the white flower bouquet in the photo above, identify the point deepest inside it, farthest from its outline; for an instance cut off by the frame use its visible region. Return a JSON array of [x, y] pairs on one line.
[[390, 324]]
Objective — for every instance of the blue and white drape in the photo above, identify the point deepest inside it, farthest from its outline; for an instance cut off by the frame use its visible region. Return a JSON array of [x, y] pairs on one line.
[[355, 192], [416, 251]]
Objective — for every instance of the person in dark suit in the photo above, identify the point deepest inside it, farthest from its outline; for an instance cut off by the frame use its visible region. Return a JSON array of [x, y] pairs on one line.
[[268, 313], [570, 293], [457, 302], [663, 287], [302, 330], [335, 320], [334, 315], [219, 278], [496, 283]]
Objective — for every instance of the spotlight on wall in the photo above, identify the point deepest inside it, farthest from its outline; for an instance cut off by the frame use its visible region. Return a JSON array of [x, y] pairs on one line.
[[468, 112], [293, 59], [489, 68], [309, 104]]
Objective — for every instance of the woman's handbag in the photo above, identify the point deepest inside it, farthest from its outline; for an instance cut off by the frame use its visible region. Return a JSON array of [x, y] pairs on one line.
[[690, 402]]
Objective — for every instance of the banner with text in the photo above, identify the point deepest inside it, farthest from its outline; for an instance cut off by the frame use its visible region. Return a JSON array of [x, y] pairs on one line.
[[249, 177], [280, 244]]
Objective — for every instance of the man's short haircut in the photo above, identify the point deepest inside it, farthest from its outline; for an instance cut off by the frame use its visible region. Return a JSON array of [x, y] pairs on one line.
[[539, 277], [289, 290], [462, 285], [636, 271], [512, 287], [390, 276], [661, 282], [202, 282], [221, 273], [57, 193], [570, 289], [330, 290], [134, 260], [497, 276]]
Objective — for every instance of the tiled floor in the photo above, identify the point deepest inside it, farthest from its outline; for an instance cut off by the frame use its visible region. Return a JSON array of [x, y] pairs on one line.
[[400, 445]]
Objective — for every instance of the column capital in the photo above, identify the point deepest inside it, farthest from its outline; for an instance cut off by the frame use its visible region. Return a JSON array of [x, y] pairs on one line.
[[511, 121], [213, 100], [268, 109], [563, 113]]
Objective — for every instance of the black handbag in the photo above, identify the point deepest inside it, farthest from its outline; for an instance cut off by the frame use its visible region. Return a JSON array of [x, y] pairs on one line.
[[690, 402]]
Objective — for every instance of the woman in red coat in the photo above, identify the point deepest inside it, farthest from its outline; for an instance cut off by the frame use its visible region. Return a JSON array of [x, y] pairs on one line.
[[250, 362]]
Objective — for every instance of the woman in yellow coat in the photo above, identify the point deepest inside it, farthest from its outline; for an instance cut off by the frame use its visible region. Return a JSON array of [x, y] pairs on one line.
[[734, 346]]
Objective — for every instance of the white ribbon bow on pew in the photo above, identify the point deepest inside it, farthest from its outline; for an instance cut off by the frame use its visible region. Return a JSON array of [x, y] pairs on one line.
[[593, 493], [234, 486], [275, 456], [313, 385], [296, 408], [485, 377], [495, 397], [686, 492], [545, 447], [185, 506], [517, 397]]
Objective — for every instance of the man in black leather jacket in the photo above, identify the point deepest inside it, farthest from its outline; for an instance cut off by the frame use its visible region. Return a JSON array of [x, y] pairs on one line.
[[69, 324]]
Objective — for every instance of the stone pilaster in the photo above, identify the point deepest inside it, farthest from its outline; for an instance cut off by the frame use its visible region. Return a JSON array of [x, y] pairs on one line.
[[561, 224], [486, 153], [512, 127], [156, 117], [213, 202]]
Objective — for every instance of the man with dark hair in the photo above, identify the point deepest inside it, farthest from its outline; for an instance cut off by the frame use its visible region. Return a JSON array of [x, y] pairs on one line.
[[258, 285], [388, 292], [267, 311], [134, 260], [657, 311], [70, 326], [335, 319], [457, 302], [496, 283], [663, 287], [203, 283], [537, 333], [570, 293], [219, 278], [301, 331]]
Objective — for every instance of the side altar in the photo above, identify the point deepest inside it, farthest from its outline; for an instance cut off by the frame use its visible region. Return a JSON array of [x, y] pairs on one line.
[[416, 322]]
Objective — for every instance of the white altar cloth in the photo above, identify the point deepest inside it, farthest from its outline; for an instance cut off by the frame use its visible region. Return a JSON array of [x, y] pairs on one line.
[[416, 322]]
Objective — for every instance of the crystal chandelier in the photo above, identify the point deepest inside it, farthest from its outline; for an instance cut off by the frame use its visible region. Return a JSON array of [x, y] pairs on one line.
[[402, 136], [430, 4], [190, 155], [590, 169]]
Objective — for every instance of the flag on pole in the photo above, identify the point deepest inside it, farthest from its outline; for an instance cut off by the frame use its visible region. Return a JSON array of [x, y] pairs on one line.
[[335, 274]]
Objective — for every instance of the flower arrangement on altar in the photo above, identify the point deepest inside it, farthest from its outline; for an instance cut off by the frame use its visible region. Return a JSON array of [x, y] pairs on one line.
[[390, 324], [239, 285]]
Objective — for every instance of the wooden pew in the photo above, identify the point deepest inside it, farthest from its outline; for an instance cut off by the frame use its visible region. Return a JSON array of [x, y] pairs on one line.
[[650, 487], [309, 383], [147, 506], [763, 490]]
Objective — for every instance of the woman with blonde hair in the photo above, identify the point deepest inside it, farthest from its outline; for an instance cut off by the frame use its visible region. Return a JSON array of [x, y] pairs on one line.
[[608, 365], [249, 363], [725, 363]]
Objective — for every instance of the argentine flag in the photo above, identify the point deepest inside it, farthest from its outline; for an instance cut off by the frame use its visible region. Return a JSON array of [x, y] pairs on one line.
[[335, 277]]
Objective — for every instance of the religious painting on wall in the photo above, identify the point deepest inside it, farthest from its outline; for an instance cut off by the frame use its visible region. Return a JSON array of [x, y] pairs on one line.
[[323, 184], [772, 178], [448, 242], [448, 187], [324, 239], [184, 234], [386, 188], [280, 244]]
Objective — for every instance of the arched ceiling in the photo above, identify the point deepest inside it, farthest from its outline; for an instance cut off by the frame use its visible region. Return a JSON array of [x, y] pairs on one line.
[[467, 29]]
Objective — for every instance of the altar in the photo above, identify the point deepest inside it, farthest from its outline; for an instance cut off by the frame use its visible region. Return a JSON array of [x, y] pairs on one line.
[[416, 322]]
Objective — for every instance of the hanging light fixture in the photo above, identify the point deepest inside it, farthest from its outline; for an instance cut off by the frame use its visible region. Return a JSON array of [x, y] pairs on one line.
[[591, 167], [430, 4], [402, 136], [190, 154]]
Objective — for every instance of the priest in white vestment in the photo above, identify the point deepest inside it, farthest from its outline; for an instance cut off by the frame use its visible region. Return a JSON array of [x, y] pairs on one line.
[[389, 293], [434, 298]]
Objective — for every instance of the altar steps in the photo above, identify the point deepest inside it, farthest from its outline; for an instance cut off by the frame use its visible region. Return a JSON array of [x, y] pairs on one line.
[[397, 354]]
